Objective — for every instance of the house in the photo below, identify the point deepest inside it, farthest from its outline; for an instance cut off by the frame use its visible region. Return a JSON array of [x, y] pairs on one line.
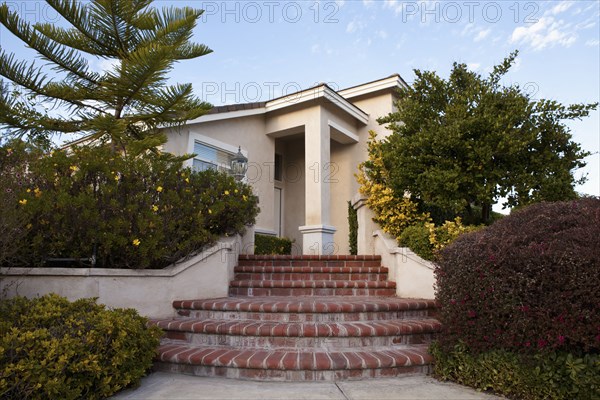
[[303, 150]]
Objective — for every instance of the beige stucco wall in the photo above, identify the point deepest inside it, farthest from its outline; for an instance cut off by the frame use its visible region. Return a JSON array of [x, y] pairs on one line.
[[285, 130], [249, 133], [151, 292]]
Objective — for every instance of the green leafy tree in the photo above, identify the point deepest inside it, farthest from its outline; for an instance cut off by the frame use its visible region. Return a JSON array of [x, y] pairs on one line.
[[463, 143], [130, 102]]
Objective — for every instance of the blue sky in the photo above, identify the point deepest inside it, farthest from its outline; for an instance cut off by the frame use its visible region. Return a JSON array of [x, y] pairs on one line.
[[263, 49]]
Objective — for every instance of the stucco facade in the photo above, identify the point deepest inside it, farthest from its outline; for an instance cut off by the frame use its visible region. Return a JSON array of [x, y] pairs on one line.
[[303, 150]]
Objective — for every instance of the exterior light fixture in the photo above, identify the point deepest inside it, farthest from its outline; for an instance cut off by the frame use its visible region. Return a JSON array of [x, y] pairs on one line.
[[239, 165]]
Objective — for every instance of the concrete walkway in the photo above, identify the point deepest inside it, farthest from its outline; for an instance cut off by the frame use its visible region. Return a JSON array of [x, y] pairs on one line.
[[160, 385]]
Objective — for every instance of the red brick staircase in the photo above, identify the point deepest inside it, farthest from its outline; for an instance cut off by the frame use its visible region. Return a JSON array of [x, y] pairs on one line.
[[301, 318]]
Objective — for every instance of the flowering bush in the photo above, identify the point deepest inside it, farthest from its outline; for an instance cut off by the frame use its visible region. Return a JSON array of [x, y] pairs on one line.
[[526, 285], [12, 223], [394, 212], [529, 281], [427, 240], [130, 212]]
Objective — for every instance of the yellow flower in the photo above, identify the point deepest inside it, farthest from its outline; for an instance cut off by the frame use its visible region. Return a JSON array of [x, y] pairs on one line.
[[155, 208], [37, 192], [235, 191], [209, 210], [159, 189], [28, 190], [117, 178], [227, 193], [74, 168], [136, 242], [187, 180], [23, 202], [29, 226], [245, 198]]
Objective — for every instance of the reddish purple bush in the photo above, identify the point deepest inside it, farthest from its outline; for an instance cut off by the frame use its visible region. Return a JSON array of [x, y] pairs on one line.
[[528, 283]]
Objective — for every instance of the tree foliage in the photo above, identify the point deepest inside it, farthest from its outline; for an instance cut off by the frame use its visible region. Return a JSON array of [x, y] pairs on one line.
[[127, 103], [467, 141]]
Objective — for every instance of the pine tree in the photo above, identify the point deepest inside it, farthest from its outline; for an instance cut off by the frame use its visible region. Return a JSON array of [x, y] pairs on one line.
[[127, 104]]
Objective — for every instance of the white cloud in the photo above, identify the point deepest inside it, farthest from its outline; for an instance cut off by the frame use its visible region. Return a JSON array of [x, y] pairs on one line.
[[482, 34], [354, 26], [561, 7], [107, 64], [547, 32], [476, 32], [473, 66], [592, 43], [368, 3], [315, 48], [382, 34]]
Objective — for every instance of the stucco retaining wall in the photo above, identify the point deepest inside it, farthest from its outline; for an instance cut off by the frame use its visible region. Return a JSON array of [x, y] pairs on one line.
[[151, 292], [413, 275]]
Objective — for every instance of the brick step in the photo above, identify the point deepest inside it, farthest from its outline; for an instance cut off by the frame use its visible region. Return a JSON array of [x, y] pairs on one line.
[[322, 335], [310, 261], [277, 276], [312, 288], [306, 309], [304, 270], [306, 257], [287, 291], [314, 284], [292, 365]]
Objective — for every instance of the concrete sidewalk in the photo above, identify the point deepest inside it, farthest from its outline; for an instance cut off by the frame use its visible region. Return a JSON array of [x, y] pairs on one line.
[[160, 385]]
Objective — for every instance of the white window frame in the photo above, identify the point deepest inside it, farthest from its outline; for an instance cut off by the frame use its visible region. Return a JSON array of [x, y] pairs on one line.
[[219, 145]]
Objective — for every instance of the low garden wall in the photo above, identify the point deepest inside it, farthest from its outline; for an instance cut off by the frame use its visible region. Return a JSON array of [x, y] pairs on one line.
[[413, 275], [151, 292]]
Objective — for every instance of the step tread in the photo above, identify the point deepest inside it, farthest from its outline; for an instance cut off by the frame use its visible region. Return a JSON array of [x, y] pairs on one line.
[[338, 257], [299, 359], [310, 269], [322, 284], [299, 329], [312, 304]]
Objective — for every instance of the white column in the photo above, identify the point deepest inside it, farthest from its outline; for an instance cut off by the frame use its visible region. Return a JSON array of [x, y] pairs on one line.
[[317, 233]]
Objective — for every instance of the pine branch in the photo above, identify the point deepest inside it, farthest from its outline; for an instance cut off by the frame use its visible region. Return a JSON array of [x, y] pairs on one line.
[[76, 15]]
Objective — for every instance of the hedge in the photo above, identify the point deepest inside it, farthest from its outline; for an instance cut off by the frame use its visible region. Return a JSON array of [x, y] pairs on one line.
[[526, 287], [265, 244]]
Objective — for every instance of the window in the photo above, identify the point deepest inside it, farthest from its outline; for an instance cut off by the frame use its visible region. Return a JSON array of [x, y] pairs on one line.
[[278, 167], [210, 157]]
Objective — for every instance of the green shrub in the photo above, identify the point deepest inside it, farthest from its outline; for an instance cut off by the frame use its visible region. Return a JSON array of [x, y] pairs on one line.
[[12, 223], [542, 376], [130, 211], [51, 348], [353, 229], [416, 238], [265, 244], [427, 239]]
